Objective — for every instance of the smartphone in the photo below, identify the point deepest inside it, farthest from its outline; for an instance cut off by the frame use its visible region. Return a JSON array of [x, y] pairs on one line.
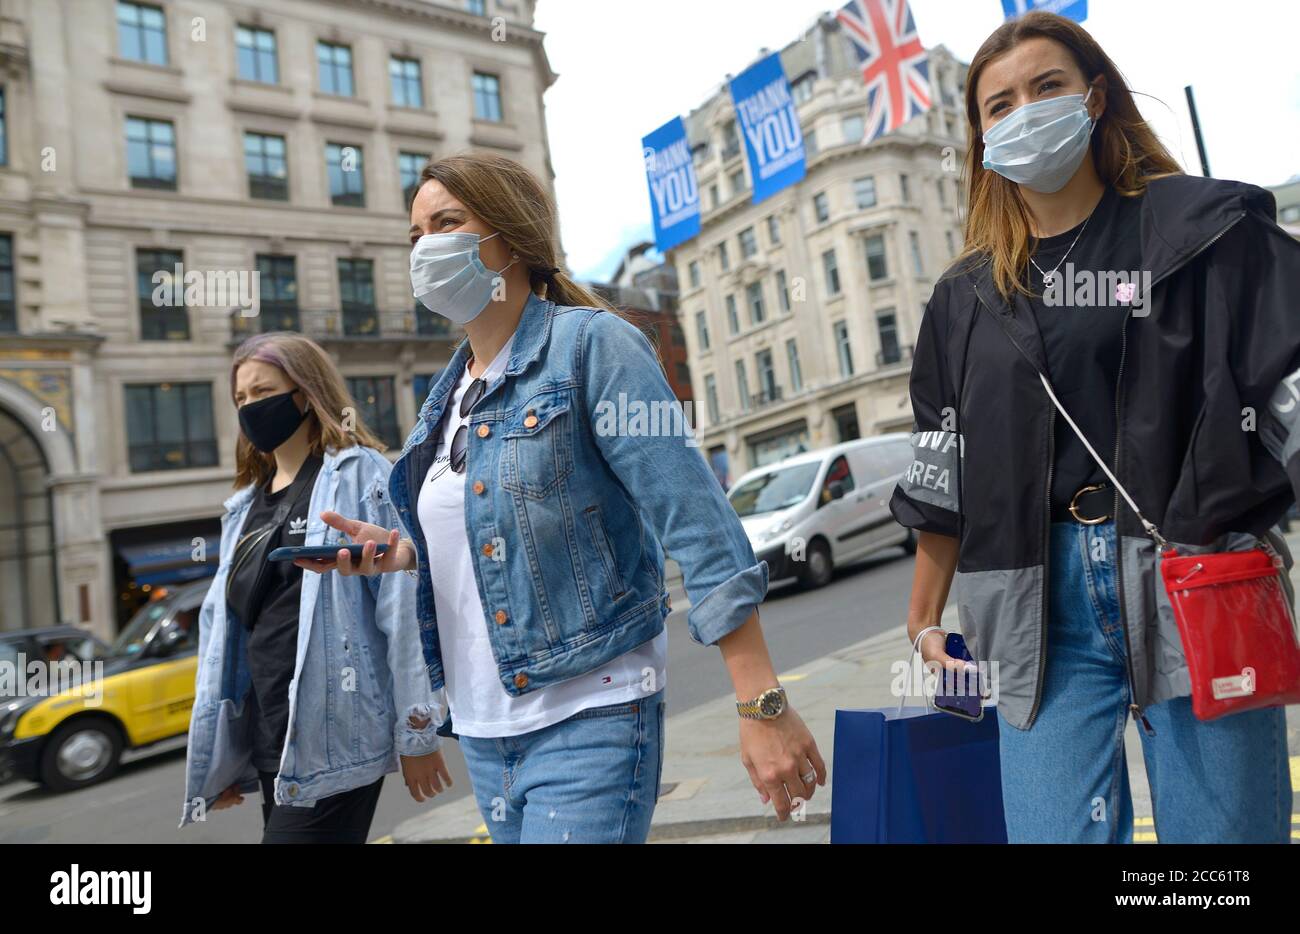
[[323, 552], [960, 693]]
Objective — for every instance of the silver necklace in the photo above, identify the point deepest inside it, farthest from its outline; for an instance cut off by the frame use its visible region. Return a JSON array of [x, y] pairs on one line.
[[1050, 275]]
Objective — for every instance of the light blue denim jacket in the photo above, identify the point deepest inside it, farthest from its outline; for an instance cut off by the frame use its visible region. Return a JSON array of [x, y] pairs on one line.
[[358, 663], [570, 501]]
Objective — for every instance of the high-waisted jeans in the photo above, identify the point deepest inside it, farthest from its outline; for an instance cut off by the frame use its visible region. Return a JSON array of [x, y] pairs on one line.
[[1065, 779]]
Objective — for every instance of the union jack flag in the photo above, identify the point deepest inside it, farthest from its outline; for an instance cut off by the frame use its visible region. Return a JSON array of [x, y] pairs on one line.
[[894, 64]]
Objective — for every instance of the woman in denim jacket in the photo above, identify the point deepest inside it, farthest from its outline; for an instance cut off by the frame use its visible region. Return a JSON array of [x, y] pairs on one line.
[[311, 686], [550, 468]]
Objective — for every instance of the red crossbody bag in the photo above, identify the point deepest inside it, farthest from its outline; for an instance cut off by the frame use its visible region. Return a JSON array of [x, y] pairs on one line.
[[1234, 616]]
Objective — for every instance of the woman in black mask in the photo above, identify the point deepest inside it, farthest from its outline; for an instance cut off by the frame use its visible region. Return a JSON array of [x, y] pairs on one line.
[[311, 688]]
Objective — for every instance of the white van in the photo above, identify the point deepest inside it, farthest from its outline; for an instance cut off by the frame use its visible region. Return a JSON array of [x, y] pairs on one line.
[[809, 512]]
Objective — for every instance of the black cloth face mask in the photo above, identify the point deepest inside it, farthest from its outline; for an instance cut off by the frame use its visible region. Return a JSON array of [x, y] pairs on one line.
[[270, 422]]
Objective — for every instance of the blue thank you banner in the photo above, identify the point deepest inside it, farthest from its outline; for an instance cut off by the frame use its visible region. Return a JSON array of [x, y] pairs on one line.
[[674, 194], [1076, 10], [769, 123]]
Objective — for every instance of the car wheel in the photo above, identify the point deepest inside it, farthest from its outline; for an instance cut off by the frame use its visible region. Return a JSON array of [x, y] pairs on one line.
[[817, 567], [81, 753], [909, 544]]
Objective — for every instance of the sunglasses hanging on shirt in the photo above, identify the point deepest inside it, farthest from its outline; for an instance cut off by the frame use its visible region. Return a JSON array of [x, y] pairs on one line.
[[460, 440]]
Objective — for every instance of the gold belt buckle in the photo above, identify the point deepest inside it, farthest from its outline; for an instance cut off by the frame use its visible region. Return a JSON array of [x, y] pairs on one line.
[[1074, 509]]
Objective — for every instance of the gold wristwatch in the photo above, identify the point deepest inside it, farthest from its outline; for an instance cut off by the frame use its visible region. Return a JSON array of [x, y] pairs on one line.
[[767, 706]]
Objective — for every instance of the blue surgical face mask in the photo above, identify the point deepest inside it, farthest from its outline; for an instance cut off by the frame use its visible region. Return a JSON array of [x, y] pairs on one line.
[[1040, 145], [448, 277]]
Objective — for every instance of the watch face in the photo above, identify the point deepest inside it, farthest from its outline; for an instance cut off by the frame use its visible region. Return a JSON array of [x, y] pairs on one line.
[[771, 703]]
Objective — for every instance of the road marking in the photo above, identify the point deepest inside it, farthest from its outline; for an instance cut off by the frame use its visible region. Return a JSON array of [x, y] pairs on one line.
[[386, 838], [1295, 773]]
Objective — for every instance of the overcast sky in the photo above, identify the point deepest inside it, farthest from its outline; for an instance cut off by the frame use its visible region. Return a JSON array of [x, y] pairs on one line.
[[627, 66]]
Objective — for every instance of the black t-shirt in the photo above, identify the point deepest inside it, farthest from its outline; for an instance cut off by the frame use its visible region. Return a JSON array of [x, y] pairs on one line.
[[1081, 331], [273, 639]]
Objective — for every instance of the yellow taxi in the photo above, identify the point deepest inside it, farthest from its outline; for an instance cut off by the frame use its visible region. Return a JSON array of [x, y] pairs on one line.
[[139, 694]]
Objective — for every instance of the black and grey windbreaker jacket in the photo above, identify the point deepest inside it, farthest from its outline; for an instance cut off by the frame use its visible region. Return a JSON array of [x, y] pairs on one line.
[[1207, 430]]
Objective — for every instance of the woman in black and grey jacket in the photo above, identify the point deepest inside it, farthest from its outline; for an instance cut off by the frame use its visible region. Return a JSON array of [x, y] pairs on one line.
[[1165, 312]]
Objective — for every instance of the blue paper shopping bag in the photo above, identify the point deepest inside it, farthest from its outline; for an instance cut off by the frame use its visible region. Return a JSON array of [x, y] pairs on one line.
[[915, 776]]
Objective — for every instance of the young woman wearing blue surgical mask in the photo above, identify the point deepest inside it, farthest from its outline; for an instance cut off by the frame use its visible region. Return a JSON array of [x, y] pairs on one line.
[[1159, 308], [537, 531]]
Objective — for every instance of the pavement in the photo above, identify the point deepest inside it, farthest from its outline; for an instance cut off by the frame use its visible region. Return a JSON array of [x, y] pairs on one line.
[[706, 795]]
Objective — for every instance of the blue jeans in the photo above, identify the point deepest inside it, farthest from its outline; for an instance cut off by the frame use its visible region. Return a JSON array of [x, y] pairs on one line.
[[1065, 779], [592, 778]]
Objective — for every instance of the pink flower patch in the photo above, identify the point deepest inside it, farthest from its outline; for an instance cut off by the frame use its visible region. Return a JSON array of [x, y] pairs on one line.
[[1124, 291]]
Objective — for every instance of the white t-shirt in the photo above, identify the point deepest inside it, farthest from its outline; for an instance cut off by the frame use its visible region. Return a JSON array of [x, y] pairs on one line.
[[479, 704]]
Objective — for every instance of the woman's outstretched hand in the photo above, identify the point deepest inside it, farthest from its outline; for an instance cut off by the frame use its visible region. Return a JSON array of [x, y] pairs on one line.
[[400, 556]]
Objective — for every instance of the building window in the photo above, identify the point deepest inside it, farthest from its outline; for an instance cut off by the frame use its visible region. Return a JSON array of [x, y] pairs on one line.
[[733, 319], [711, 398], [334, 66], [754, 298], [255, 55], [904, 188], [821, 207], [887, 326], [796, 371], [151, 153], [730, 140], [702, 329], [748, 242], [846, 429], [477, 7], [8, 303], [169, 426], [768, 390], [802, 88], [162, 318], [864, 192], [347, 183], [943, 192], [842, 349], [693, 270], [773, 230], [737, 179], [875, 247], [357, 296], [409, 167], [487, 97], [947, 239], [142, 33], [723, 260], [377, 406], [914, 239], [853, 127], [683, 373], [810, 143], [782, 292], [832, 270], [278, 288], [713, 196], [421, 383], [742, 386], [404, 76], [268, 170]]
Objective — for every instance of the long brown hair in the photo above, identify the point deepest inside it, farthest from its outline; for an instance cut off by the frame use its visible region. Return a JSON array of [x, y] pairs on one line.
[[331, 409], [1125, 151], [511, 199]]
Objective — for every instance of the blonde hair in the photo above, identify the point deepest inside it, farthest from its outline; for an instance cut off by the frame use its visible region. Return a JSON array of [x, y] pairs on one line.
[[1125, 151], [311, 371]]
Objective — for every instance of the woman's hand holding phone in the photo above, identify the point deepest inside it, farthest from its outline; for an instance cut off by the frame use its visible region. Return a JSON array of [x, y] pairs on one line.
[[400, 556]]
